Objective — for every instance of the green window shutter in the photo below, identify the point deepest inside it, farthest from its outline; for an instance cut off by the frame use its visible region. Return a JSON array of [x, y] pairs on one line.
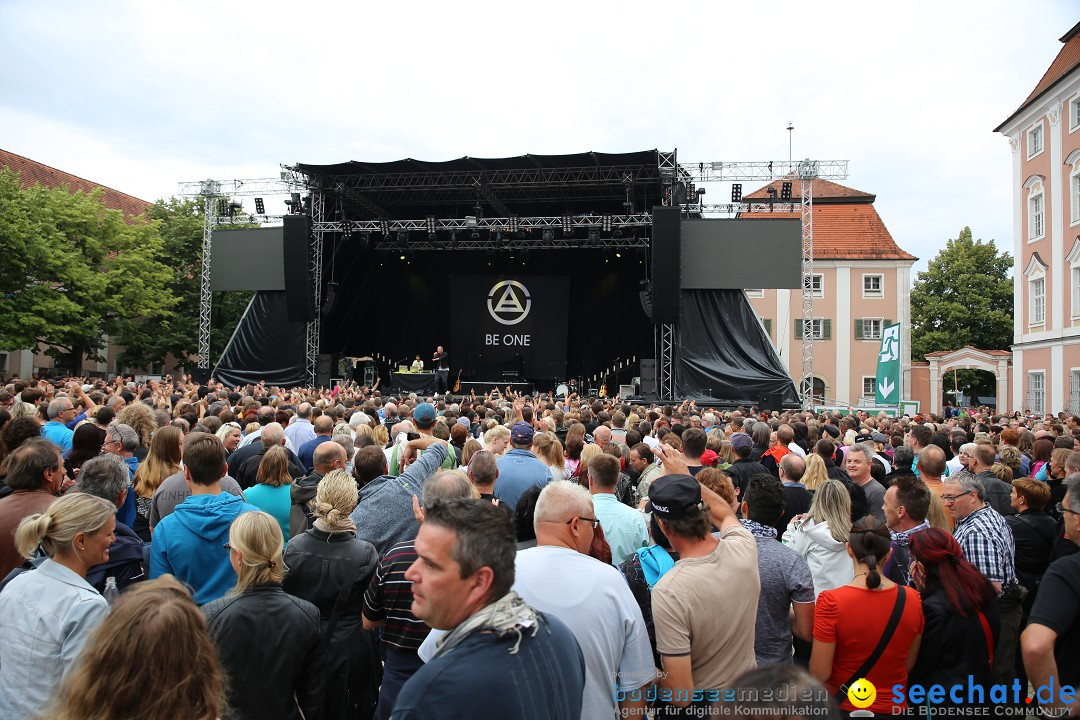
[[826, 329], [858, 329], [798, 328], [885, 324], [767, 322]]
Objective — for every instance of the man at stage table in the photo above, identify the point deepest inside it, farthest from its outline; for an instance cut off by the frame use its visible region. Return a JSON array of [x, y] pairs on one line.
[[417, 365]]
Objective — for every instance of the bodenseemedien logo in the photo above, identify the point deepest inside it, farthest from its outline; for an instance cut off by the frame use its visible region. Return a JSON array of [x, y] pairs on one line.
[[509, 302]]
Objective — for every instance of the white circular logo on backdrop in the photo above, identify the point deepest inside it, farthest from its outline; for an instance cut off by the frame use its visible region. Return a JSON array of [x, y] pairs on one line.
[[509, 302]]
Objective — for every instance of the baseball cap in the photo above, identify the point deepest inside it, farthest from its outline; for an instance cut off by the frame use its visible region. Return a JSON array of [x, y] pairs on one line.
[[708, 458], [521, 433], [880, 438], [741, 440], [673, 496], [863, 437], [832, 431], [424, 413]]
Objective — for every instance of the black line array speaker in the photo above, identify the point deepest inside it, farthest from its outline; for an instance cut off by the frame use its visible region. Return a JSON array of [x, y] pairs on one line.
[[299, 294], [772, 401], [322, 370], [648, 378], [666, 264]]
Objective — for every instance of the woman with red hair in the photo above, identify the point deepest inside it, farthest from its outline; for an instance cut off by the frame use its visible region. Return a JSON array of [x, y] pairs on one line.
[[960, 612]]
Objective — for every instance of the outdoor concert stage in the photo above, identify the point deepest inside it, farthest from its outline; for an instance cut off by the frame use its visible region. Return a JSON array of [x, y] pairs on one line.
[[538, 270]]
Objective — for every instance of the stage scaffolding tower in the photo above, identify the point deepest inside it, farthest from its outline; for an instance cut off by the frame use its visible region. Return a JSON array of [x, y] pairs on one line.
[[805, 171]]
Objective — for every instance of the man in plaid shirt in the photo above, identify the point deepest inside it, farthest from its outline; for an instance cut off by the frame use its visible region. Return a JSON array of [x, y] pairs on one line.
[[988, 544]]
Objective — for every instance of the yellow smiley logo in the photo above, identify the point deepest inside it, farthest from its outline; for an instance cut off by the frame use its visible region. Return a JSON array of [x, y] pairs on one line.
[[862, 693]]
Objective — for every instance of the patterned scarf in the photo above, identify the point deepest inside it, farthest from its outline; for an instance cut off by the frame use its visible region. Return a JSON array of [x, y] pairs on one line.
[[508, 614], [758, 530]]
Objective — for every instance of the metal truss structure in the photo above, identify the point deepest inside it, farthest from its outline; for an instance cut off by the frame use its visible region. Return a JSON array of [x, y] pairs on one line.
[[315, 257], [666, 338], [499, 189]]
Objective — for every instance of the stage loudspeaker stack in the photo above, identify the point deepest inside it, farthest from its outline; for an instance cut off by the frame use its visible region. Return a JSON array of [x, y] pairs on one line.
[[322, 370], [648, 378], [772, 401], [666, 264], [299, 294]]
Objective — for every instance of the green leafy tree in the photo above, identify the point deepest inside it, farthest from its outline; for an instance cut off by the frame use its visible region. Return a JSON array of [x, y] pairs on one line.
[[964, 297], [75, 273], [180, 223]]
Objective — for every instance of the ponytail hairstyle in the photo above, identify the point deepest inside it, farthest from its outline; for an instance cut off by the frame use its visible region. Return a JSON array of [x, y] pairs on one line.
[[335, 498], [56, 527], [257, 537], [869, 542], [966, 589]]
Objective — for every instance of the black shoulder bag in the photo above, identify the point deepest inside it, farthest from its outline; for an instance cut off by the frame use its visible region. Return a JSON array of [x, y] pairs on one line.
[[886, 636]]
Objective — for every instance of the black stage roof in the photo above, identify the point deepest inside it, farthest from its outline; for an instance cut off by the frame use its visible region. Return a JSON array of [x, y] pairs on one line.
[[526, 185]]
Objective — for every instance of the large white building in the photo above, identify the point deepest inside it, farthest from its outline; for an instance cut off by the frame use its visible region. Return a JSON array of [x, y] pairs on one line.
[[1044, 134]]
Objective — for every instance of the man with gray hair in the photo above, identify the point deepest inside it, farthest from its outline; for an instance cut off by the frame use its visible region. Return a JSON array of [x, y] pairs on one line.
[[121, 441], [61, 411], [106, 477], [857, 465], [988, 544], [559, 578], [246, 460]]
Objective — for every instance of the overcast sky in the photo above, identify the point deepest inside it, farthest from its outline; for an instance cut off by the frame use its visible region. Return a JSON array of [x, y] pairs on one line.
[[142, 95]]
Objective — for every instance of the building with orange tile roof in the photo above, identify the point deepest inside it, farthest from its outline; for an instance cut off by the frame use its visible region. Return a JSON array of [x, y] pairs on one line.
[[862, 284], [31, 173], [1044, 134]]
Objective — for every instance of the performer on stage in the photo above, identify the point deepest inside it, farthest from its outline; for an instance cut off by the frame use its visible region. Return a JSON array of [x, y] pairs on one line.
[[441, 362], [417, 365]]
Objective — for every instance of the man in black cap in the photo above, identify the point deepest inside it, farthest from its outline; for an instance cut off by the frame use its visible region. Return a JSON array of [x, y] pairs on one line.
[[702, 650]]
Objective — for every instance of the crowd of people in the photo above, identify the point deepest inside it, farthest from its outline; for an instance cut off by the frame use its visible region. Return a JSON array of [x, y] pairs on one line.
[[176, 549]]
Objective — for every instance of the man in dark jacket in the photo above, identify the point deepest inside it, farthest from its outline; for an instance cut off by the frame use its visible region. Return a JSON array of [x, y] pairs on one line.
[[997, 490], [272, 435], [327, 457], [743, 468], [106, 476]]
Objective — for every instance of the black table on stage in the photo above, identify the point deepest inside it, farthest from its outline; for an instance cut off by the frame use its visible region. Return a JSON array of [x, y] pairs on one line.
[[421, 383]]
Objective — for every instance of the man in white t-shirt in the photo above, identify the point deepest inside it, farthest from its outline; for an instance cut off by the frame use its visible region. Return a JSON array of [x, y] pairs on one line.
[[558, 577]]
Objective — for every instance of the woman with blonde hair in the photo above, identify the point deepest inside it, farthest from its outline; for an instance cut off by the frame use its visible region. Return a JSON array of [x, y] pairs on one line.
[[49, 612], [273, 492], [816, 472], [380, 435], [821, 536], [162, 461], [548, 450], [330, 567], [230, 436], [270, 643], [153, 638]]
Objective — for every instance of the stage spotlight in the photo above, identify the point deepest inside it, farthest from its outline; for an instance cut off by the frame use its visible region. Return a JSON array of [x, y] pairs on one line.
[[260, 208], [594, 237], [475, 235], [618, 254], [293, 203], [548, 235], [736, 192], [431, 224], [605, 222], [470, 221], [223, 206], [785, 190], [618, 234], [513, 223], [402, 238], [365, 241], [567, 226], [432, 237], [385, 225]]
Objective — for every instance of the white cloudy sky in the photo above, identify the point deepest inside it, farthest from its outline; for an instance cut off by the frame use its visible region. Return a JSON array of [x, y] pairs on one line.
[[142, 95]]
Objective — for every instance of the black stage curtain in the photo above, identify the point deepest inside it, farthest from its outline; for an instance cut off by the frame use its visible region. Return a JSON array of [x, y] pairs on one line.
[[266, 346], [723, 353]]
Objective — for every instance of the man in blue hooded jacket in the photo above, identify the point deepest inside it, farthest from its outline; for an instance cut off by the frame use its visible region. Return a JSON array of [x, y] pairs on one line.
[[191, 543]]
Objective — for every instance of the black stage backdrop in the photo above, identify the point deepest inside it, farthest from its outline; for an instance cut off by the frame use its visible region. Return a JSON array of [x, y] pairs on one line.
[[511, 326], [406, 307]]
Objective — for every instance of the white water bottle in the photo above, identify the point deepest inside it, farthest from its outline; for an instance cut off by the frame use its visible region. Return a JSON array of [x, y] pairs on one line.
[[111, 592]]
